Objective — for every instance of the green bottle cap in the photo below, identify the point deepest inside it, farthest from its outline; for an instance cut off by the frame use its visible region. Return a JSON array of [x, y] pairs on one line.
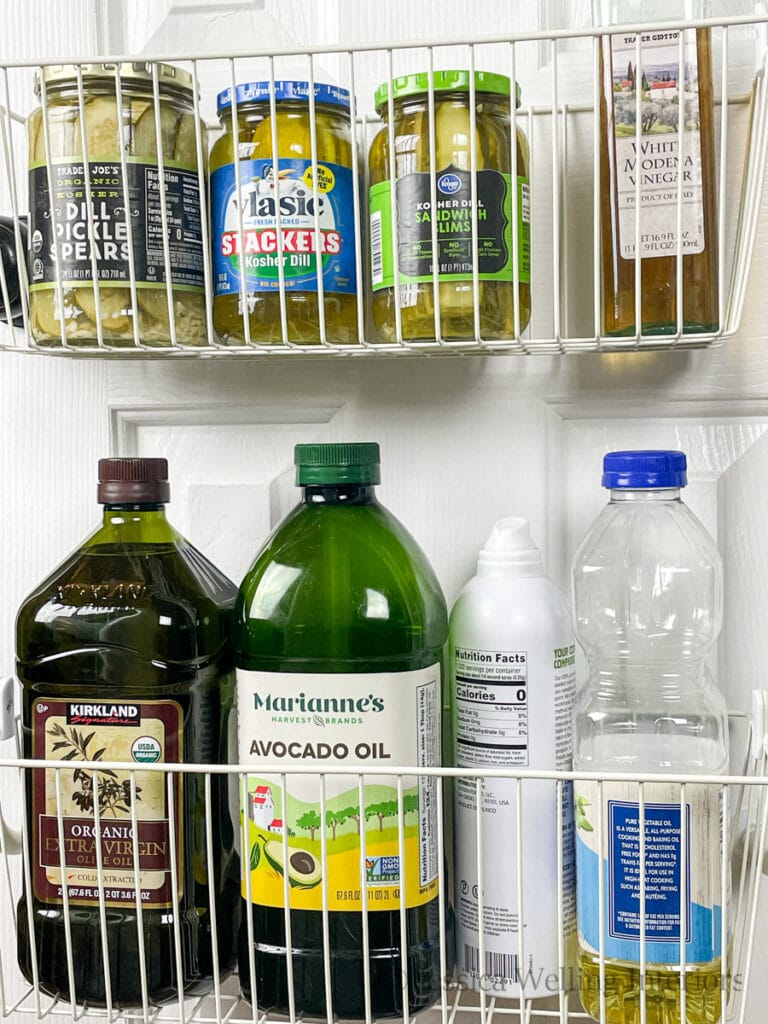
[[337, 463], [445, 81]]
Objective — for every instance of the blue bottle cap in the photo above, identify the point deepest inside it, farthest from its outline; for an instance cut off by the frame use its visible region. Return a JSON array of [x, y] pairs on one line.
[[645, 470], [258, 92]]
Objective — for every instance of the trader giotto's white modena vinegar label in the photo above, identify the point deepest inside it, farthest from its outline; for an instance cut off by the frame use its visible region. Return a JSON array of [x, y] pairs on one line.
[[356, 720]]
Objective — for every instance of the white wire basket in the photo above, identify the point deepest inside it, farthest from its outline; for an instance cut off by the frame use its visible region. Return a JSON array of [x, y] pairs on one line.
[[743, 830], [559, 71]]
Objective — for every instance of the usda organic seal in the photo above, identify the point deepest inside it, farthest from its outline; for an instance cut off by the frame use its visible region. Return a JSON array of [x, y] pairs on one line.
[[145, 750]]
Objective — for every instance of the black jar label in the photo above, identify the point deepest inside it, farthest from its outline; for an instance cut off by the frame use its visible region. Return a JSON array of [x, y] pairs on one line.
[[125, 215], [76, 811], [452, 218]]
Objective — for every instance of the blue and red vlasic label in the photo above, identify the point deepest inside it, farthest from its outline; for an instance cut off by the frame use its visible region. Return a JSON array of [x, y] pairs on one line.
[[257, 250]]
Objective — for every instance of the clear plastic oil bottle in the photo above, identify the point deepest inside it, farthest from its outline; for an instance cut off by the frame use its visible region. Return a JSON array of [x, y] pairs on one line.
[[648, 596]]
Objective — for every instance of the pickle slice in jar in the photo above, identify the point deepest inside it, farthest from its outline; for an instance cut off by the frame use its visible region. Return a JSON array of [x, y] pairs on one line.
[[101, 126], [114, 304], [188, 313], [293, 138], [145, 133], [46, 323], [63, 133], [185, 146]]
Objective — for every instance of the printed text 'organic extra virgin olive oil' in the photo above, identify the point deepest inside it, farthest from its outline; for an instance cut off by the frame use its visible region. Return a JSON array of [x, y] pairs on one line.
[[123, 655], [339, 633]]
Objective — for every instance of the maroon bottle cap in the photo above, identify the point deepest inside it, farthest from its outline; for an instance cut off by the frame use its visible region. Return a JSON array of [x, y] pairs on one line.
[[133, 482]]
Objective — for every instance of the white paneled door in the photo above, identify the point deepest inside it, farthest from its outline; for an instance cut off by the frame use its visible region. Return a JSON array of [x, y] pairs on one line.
[[464, 440]]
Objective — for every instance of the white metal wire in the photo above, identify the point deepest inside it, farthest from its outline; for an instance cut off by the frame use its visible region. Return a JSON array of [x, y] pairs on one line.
[[744, 827], [564, 139]]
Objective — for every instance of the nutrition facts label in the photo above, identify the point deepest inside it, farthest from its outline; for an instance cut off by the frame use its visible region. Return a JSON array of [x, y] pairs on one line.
[[491, 708]]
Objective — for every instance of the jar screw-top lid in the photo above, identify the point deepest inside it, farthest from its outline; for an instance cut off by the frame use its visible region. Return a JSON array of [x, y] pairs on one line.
[[133, 482], [445, 81], [355, 463], [285, 89], [645, 470]]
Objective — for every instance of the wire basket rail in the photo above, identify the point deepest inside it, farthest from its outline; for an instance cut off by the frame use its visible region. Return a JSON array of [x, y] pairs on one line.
[[561, 119], [462, 997]]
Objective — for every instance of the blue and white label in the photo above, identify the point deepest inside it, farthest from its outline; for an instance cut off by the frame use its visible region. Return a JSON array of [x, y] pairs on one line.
[[448, 183], [313, 223], [681, 871]]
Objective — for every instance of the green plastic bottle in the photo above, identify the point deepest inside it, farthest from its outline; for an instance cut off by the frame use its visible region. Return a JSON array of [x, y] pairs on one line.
[[339, 632], [123, 654]]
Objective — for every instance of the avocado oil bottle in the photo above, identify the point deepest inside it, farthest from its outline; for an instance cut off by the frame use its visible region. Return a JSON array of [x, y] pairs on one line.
[[338, 634], [123, 655]]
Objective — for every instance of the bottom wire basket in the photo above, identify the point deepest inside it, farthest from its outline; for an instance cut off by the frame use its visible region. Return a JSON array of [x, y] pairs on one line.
[[104, 947]]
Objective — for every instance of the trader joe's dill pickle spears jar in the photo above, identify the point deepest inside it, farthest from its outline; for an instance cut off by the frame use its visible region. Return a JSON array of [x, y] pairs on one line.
[[123, 655], [59, 229], [245, 232], [339, 632], [454, 212]]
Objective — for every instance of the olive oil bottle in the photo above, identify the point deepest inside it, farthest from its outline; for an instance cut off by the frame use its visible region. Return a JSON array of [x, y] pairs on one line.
[[665, 160], [123, 655], [339, 632]]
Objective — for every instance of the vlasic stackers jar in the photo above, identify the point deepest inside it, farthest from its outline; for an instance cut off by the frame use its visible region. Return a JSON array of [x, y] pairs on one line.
[[277, 198], [454, 209]]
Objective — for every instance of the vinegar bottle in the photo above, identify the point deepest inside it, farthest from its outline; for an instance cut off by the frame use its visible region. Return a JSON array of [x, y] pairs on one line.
[[665, 162], [339, 632], [123, 655], [648, 590]]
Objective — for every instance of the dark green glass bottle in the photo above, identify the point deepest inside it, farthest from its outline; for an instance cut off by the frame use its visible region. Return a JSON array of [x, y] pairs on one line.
[[123, 654], [339, 632]]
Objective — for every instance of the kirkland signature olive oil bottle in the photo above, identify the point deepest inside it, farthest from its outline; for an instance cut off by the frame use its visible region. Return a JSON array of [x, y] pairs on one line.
[[339, 632], [123, 655]]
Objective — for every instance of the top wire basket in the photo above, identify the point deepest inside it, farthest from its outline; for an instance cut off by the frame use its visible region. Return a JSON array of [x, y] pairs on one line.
[[608, 202]]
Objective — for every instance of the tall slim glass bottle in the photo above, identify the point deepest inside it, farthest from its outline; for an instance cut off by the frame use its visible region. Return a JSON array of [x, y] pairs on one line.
[[664, 161], [339, 632], [123, 655]]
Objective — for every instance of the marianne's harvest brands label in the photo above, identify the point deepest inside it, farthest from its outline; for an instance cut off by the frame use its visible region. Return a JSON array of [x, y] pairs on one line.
[[247, 238], [358, 720], [134, 732]]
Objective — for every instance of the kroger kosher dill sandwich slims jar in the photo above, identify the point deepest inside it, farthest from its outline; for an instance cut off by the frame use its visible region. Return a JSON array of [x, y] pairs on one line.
[[454, 212], [277, 198]]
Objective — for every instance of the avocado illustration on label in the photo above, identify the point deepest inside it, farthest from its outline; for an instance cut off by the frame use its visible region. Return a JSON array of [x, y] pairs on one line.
[[304, 870]]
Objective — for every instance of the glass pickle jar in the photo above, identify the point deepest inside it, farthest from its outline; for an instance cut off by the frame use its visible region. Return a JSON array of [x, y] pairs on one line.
[[265, 205], [56, 162], [453, 183]]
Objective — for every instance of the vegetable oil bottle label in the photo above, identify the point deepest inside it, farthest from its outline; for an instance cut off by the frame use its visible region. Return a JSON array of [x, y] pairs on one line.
[[342, 831], [452, 220], [65, 834], [307, 228], [682, 871], [61, 240], [665, 160]]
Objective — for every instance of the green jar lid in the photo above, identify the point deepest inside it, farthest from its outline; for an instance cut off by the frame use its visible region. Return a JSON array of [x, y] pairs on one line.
[[446, 81], [337, 463]]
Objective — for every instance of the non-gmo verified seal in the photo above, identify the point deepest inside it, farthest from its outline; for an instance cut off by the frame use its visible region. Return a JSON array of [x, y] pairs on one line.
[[449, 183]]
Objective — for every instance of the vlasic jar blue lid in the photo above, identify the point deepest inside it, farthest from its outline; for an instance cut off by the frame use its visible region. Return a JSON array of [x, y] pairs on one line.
[[645, 470], [258, 92]]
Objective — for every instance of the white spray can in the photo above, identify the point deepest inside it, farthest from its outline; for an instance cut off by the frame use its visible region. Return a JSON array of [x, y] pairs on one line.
[[512, 682]]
